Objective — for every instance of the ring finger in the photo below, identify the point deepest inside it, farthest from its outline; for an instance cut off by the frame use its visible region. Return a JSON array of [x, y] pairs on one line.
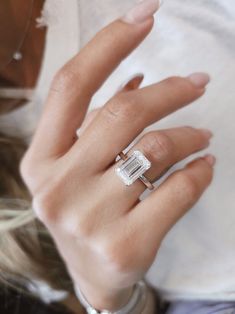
[[163, 148]]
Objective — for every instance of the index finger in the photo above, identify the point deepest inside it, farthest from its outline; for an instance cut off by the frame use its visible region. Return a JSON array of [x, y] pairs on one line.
[[80, 78]]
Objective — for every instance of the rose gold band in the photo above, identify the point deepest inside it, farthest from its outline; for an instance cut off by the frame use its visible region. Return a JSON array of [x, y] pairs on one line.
[[123, 156], [149, 185]]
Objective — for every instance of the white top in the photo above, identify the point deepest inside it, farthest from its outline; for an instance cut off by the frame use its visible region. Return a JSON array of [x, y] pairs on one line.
[[197, 257]]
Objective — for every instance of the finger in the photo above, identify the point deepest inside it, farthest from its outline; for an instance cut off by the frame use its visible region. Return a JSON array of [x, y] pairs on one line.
[[149, 221], [163, 149], [167, 147], [132, 84], [81, 77], [174, 197], [125, 116]]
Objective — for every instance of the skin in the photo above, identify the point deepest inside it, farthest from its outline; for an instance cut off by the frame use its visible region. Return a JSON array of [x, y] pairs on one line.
[[98, 223]]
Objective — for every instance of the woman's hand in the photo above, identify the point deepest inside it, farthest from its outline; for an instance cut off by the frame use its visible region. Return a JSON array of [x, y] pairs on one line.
[[107, 237]]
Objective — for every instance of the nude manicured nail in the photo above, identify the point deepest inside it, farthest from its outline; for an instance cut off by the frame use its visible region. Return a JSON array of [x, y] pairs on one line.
[[142, 11], [207, 133], [200, 80], [210, 159]]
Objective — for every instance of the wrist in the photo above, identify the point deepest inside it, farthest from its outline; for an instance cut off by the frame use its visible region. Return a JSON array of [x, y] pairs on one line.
[[105, 300]]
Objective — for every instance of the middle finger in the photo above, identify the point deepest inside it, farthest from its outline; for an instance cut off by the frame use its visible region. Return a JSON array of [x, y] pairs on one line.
[[126, 115]]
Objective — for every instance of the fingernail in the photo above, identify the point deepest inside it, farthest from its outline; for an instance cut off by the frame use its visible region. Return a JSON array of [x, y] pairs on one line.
[[207, 133], [210, 159], [132, 83], [142, 11], [199, 80]]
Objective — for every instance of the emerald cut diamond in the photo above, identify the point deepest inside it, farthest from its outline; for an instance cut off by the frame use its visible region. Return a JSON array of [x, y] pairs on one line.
[[133, 167]]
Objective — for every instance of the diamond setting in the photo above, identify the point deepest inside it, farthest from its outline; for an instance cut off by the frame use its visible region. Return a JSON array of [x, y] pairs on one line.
[[132, 168]]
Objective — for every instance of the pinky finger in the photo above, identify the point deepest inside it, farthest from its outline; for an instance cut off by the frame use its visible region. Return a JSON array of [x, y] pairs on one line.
[[174, 197]]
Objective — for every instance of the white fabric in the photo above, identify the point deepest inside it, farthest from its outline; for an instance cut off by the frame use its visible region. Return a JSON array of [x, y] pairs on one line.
[[197, 257]]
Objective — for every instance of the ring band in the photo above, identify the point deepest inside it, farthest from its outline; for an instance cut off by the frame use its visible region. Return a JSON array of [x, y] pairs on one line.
[[148, 184], [133, 168]]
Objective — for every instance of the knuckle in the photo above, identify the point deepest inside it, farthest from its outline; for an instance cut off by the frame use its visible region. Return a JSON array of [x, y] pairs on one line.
[[44, 205], [189, 185], [49, 199], [84, 227], [62, 79], [32, 173], [27, 168], [158, 145], [118, 256], [66, 79], [121, 108]]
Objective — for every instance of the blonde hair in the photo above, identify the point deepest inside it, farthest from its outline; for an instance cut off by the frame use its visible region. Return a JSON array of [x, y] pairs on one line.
[[26, 249]]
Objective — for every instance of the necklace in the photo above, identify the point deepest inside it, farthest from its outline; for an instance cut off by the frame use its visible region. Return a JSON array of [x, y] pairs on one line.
[[17, 54]]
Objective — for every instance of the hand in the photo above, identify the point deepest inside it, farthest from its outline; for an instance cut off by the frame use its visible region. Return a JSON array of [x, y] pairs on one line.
[[107, 237]]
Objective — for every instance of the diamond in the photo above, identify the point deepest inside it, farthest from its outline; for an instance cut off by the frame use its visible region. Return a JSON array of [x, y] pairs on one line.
[[132, 168]]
